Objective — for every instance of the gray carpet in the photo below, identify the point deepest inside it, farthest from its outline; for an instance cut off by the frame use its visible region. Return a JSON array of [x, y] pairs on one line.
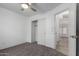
[[30, 49]]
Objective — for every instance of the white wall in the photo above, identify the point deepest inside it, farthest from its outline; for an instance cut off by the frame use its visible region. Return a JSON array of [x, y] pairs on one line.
[[12, 28], [50, 29], [28, 30]]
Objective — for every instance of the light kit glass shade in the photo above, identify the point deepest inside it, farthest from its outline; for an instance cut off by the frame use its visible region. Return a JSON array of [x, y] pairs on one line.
[[25, 6]]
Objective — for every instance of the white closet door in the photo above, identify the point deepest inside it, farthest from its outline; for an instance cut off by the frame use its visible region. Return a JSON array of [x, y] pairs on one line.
[[41, 31]]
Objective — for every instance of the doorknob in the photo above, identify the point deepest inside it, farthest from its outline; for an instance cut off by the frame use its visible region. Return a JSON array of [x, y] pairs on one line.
[[73, 36]]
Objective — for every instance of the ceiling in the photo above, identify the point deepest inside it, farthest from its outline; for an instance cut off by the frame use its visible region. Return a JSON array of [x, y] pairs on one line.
[[40, 7]]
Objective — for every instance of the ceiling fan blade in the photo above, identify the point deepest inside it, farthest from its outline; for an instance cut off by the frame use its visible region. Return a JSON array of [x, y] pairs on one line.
[[33, 9], [28, 4]]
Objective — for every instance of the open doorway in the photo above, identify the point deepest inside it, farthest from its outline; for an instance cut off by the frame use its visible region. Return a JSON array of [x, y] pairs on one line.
[[62, 32], [34, 31]]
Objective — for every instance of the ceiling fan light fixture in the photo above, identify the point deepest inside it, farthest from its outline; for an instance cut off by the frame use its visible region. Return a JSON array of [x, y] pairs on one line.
[[25, 6]]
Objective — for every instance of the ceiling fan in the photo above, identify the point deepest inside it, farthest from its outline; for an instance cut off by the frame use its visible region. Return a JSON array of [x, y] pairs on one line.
[[27, 5]]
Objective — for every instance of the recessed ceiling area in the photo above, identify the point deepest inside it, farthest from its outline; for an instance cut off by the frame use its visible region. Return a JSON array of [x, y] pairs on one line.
[[40, 7]]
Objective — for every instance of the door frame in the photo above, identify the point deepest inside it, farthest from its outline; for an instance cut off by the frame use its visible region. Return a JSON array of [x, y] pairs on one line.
[[77, 30], [33, 30]]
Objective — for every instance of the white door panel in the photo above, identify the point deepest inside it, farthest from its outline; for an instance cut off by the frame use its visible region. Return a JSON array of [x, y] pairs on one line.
[[41, 31]]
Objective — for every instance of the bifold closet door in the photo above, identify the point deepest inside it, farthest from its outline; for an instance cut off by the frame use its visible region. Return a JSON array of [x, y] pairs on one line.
[[41, 31]]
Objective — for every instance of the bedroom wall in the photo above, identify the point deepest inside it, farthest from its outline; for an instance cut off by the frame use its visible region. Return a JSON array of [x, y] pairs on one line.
[[12, 28]]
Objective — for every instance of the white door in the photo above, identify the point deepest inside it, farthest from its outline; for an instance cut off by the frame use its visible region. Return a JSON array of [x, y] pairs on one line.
[[65, 30], [41, 31]]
